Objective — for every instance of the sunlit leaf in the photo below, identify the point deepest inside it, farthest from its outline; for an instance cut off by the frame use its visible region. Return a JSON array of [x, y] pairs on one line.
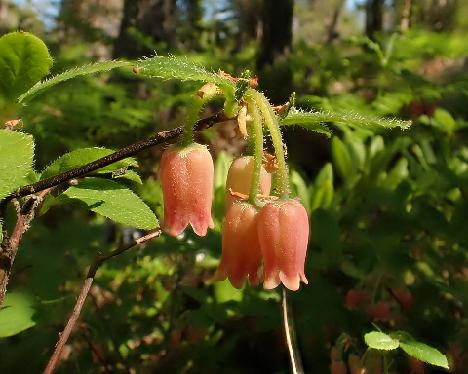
[[114, 201]]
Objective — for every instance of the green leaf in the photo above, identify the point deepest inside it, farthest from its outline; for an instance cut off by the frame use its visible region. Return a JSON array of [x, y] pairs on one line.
[[88, 69], [341, 158], [381, 341], [224, 292], [24, 60], [84, 156], [16, 314], [16, 158], [114, 201], [300, 188], [305, 120], [350, 119], [423, 352], [444, 120], [181, 68], [322, 192]]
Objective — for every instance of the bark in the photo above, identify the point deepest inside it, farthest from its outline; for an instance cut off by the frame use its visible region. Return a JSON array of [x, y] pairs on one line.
[[275, 48], [145, 23], [374, 17]]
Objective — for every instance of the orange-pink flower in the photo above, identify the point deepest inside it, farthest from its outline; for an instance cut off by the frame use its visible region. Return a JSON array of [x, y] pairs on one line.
[[283, 232], [239, 179], [186, 175], [241, 254]]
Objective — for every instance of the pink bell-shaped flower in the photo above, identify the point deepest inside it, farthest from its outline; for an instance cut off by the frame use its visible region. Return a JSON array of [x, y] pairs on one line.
[[241, 255], [283, 232], [186, 175], [239, 179]]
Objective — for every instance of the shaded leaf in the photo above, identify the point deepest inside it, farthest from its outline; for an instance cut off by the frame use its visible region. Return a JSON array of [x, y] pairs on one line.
[[114, 201], [16, 314], [84, 156]]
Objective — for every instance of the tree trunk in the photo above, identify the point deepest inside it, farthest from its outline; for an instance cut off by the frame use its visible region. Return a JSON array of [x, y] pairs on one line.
[[374, 17], [275, 47], [145, 24]]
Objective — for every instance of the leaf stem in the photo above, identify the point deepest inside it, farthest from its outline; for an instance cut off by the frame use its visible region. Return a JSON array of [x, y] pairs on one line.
[[271, 122]]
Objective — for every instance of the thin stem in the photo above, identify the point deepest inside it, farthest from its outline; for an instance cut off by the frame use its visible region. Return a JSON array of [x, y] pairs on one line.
[[99, 260], [191, 120], [294, 355], [257, 136], [272, 124]]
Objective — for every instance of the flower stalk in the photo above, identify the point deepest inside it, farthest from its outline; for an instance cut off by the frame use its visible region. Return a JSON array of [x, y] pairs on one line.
[[272, 124]]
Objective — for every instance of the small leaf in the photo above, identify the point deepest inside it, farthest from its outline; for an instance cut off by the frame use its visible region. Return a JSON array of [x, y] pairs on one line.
[[423, 352], [16, 314], [300, 188], [88, 69], [444, 120], [381, 341], [114, 201], [341, 158], [84, 156], [24, 60], [16, 158], [224, 292]]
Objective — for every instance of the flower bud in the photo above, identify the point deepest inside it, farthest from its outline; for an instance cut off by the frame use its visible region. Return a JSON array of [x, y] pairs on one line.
[[239, 179], [241, 255], [186, 175], [283, 232]]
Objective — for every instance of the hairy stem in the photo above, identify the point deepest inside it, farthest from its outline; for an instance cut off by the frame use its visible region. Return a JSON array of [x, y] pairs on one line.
[[257, 136], [272, 124], [191, 120], [63, 337]]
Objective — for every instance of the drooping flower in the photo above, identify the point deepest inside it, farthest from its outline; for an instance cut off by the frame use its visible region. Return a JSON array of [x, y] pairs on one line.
[[186, 175], [241, 254], [283, 232], [239, 179]]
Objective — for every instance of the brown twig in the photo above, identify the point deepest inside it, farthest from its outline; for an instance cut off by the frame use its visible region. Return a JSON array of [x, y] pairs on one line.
[[122, 153], [99, 260], [10, 248]]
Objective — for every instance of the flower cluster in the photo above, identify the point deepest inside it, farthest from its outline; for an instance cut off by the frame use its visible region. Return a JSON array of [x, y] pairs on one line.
[[264, 238]]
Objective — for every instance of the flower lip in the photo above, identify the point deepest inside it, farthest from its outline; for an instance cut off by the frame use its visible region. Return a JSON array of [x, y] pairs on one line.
[[283, 231]]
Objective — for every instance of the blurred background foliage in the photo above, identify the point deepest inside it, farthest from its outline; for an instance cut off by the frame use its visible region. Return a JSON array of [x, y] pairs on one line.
[[388, 209]]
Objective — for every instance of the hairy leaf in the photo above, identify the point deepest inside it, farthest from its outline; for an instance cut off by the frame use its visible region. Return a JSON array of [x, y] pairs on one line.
[[114, 201], [24, 60], [16, 314], [379, 340], [16, 158], [305, 120], [84, 156], [424, 353], [172, 67], [314, 120], [88, 69]]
